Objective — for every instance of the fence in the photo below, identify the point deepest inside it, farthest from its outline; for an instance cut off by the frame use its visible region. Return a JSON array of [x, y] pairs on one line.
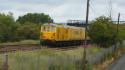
[[35, 61], [22, 62], [98, 58]]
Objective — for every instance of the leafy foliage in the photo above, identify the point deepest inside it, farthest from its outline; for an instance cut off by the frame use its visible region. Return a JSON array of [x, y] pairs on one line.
[[121, 31], [28, 31], [102, 32], [35, 18], [10, 30], [7, 27]]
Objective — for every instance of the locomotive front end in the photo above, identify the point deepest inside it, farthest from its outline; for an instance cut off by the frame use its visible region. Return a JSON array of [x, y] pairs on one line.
[[47, 33]]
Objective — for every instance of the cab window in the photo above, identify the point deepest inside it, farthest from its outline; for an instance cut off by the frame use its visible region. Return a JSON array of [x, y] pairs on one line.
[[52, 29], [49, 29], [44, 29]]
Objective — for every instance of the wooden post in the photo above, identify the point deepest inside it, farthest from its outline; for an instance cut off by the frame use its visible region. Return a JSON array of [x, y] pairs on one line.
[[85, 44], [118, 23], [5, 65]]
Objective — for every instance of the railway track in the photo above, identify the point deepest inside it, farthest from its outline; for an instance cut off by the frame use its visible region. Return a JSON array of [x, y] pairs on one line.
[[14, 48]]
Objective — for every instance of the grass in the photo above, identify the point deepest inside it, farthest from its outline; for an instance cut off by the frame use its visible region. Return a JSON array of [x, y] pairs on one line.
[[111, 57], [1, 61], [23, 42], [48, 59]]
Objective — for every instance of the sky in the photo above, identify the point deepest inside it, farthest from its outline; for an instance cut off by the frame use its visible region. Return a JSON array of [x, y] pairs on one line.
[[63, 10]]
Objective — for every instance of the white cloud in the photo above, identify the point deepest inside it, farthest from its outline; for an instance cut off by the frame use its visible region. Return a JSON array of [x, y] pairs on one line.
[[62, 10]]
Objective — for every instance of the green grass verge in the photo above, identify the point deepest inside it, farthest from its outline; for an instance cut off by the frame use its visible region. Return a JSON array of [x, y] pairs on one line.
[[48, 59]]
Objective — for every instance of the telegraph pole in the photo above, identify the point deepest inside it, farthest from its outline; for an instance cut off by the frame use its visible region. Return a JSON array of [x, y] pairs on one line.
[[118, 26], [118, 23], [117, 33], [110, 11], [85, 44]]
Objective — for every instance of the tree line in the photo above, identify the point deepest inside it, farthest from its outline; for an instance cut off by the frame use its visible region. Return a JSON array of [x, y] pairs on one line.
[[103, 32], [25, 27]]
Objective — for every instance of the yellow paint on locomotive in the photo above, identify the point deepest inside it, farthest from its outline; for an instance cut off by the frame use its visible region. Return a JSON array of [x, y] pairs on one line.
[[47, 33], [62, 33]]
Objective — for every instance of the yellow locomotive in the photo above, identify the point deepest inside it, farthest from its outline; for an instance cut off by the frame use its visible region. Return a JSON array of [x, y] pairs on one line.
[[61, 35]]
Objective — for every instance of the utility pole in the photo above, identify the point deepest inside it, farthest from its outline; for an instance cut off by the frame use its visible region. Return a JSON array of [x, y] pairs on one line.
[[85, 44], [117, 33], [110, 9], [118, 27], [118, 23]]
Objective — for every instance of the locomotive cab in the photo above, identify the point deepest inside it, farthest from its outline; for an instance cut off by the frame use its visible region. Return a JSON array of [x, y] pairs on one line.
[[47, 32]]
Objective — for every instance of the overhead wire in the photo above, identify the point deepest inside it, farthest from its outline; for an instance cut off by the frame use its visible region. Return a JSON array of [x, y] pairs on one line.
[[107, 7], [110, 8], [93, 9]]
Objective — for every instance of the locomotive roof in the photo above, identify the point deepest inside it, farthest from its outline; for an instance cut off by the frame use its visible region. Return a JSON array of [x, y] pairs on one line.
[[63, 26]]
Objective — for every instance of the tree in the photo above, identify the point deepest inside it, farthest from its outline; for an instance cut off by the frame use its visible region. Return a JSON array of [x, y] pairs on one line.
[[102, 32], [7, 28], [28, 31], [35, 18], [13, 31]]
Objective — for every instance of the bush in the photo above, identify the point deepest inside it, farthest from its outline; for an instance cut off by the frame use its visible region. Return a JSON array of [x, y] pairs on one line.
[[102, 32], [7, 28], [10, 30], [28, 31]]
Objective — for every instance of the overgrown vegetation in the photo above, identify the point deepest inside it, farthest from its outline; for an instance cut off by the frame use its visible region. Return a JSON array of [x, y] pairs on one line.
[[27, 26], [48, 59], [110, 57], [35, 18], [28, 31], [104, 33]]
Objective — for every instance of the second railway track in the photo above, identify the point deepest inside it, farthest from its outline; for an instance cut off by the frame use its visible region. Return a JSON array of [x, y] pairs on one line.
[[14, 48]]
